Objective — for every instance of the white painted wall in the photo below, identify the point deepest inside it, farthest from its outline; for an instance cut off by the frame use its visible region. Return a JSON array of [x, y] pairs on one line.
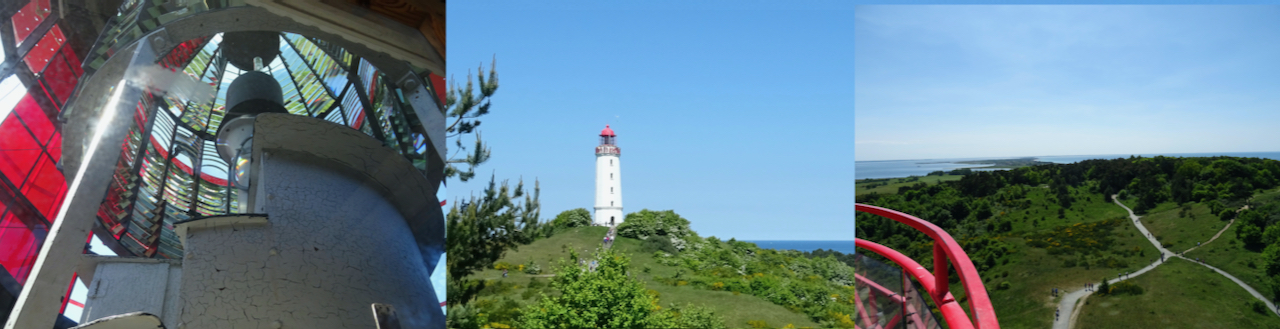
[[332, 247], [608, 189], [134, 285]]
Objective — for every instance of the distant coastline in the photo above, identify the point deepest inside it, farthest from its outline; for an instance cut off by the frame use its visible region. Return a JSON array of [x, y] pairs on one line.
[[878, 169], [843, 246]]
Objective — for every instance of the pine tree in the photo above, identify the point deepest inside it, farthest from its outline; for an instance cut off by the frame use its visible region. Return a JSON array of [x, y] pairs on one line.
[[481, 230], [465, 107]]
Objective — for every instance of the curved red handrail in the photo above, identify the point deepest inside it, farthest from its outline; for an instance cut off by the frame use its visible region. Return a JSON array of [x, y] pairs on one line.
[[945, 249]]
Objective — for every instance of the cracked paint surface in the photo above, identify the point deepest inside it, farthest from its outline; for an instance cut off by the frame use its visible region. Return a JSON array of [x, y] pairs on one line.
[[364, 157], [334, 245]]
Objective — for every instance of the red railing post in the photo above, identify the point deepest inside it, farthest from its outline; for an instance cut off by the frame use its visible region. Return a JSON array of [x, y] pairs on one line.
[[946, 253], [940, 271]]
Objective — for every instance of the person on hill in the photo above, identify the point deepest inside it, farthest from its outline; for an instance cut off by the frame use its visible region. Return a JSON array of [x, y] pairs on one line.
[[504, 272]]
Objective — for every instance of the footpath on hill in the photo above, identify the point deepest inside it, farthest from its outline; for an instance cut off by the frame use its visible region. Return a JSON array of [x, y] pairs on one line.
[[1071, 302]]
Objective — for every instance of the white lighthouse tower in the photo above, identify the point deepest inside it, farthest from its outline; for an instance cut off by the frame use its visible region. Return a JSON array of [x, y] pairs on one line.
[[608, 180]]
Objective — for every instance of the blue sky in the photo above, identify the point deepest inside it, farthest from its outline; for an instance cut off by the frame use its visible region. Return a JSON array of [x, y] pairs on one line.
[[999, 81], [738, 116]]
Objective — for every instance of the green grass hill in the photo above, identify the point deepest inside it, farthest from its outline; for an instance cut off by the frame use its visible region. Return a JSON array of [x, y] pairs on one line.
[[522, 289]]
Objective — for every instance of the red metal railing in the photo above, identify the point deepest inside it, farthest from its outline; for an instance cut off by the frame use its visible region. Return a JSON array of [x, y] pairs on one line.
[[945, 249]]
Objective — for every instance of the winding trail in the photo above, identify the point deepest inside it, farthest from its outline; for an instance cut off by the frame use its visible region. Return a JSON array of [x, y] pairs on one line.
[[1071, 302], [1215, 236]]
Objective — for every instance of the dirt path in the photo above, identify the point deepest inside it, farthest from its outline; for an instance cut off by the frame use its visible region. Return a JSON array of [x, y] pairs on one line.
[[1071, 302], [1215, 236]]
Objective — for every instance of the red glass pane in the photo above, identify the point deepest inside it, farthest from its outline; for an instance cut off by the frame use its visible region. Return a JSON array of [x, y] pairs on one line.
[[55, 147], [18, 247], [437, 83], [183, 53], [46, 188], [34, 117], [60, 78], [28, 18], [73, 60], [43, 52], [18, 151]]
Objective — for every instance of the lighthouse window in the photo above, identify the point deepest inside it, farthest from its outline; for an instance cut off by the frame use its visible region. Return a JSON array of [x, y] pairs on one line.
[[611, 203], [611, 162], [610, 190], [610, 176]]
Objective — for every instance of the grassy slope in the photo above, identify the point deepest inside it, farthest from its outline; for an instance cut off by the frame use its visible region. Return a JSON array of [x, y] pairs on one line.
[[1178, 294], [895, 183], [1182, 232], [736, 309], [1228, 253], [1033, 272]]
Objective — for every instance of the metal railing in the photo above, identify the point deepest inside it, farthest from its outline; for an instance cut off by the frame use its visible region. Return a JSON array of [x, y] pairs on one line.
[[945, 252]]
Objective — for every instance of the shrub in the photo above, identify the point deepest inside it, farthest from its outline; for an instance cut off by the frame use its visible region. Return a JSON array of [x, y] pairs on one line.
[[1125, 287], [1004, 285], [572, 218], [532, 268], [647, 223], [1227, 214], [502, 266], [757, 324], [1259, 307]]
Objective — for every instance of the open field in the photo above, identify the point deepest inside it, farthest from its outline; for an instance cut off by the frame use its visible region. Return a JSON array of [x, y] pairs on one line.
[[1178, 294], [1228, 253], [1179, 232], [736, 309]]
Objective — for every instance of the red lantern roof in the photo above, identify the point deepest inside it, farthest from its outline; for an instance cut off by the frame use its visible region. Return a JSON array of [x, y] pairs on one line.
[[607, 132]]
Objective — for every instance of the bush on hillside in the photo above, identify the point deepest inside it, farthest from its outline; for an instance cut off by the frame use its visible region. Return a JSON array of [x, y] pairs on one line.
[[1258, 307], [572, 218], [532, 268], [1126, 287], [646, 223]]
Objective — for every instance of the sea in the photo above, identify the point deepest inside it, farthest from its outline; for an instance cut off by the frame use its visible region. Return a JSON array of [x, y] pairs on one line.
[[921, 167], [847, 247]]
